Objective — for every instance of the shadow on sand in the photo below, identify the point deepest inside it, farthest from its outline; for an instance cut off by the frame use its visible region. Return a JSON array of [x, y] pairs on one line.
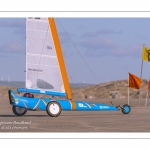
[[24, 116]]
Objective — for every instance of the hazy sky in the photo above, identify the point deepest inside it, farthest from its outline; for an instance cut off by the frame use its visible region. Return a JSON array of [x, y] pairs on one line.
[[111, 47]]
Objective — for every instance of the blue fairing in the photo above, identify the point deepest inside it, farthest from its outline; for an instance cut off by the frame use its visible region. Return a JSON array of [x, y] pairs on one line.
[[41, 103], [20, 90], [93, 106]]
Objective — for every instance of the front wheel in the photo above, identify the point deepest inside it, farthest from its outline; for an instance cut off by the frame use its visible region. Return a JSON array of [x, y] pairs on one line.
[[18, 111], [126, 109], [53, 109]]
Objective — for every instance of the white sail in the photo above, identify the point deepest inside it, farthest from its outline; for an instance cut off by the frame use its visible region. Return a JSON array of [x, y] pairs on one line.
[[42, 66]]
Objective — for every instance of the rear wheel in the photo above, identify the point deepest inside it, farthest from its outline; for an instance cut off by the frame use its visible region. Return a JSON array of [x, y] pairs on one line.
[[126, 109], [18, 111], [53, 109]]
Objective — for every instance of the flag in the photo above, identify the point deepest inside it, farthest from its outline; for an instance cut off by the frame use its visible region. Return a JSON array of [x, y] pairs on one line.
[[134, 81], [146, 54], [149, 84]]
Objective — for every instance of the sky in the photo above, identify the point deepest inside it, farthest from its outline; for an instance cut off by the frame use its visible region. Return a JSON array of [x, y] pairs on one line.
[[95, 50]]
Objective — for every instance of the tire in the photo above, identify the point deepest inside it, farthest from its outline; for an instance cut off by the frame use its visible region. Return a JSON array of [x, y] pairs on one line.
[[53, 109], [126, 109], [18, 111]]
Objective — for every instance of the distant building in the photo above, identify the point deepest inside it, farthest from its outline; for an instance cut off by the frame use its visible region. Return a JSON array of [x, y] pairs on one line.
[[115, 94]]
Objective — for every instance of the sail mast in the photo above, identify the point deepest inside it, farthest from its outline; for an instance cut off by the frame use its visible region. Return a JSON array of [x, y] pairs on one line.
[[60, 57]]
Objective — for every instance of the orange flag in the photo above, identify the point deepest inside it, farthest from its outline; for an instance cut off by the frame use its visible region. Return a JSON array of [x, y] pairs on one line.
[[149, 84], [134, 81]]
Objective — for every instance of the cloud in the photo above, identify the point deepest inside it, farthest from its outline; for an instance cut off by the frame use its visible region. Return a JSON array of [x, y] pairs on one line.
[[119, 32], [102, 43], [15, 22], [133, 50], [21, 31], [14, 46], [101, 32], [105, 31], [141, 36], [129, 50], [96, 47], [63, 37], [89, 34]]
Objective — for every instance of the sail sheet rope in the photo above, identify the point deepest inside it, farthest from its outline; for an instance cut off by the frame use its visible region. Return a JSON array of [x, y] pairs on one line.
[[79, 53]]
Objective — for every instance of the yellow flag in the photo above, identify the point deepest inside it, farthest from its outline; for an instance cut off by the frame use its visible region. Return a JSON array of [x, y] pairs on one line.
[[146, 54]]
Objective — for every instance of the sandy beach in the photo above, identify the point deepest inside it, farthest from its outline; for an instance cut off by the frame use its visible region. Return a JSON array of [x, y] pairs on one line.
[[138, 120]]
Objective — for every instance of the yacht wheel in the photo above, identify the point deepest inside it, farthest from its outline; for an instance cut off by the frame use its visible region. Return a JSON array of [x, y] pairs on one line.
[[53, 109], [18, 111]]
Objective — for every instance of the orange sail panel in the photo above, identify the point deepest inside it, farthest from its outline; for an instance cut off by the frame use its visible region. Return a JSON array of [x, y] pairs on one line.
[[134, 81], [60, 57]]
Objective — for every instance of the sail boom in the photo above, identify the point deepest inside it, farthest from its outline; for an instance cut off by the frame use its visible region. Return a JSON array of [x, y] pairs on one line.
[[38, 91]]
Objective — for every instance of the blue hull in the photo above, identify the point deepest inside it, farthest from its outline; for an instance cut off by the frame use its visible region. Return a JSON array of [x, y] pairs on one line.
[[68, 105]]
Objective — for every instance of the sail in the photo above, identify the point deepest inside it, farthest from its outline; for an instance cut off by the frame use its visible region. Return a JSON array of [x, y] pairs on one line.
[[45, 68]]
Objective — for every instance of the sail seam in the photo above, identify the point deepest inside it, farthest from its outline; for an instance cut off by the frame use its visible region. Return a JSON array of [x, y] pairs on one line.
[[38, 38], [42, 65], [30, 54], [37, 30], [34, 20], [46, 73]]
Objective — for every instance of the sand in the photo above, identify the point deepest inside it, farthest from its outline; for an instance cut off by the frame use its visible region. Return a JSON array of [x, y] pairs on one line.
[[138, 120]]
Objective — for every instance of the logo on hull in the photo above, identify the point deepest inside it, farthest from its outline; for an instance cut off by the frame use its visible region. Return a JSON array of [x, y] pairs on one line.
[[104, 107], [81, 105]]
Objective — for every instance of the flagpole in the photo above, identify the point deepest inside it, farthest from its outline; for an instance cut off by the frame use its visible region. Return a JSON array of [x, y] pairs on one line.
[[141, 75], [140, 78], [147, 91], [146, 99], [128, 88], [128, 95]]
